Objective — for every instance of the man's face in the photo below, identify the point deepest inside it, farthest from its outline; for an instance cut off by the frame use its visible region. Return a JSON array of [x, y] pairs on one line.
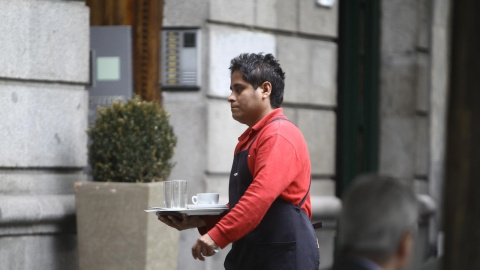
[[247, 104]]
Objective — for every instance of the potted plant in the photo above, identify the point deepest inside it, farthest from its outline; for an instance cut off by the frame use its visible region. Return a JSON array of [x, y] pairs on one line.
[[132, 144]]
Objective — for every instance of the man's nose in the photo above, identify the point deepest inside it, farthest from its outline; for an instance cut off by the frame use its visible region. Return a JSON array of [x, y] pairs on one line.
[[231, 97]]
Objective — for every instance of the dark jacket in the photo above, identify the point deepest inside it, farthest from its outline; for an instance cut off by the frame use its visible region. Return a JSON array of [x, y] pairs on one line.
[[351, 263]]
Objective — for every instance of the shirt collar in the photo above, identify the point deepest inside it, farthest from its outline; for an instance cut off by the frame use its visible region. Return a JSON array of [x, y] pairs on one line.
[[260, 124]]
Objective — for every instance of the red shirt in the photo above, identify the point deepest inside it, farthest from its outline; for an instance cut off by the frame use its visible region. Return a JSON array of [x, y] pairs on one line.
[[280, 165]]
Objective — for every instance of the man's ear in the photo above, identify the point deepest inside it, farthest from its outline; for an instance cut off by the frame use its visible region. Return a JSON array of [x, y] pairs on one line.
[[405, 248], [266, 89]]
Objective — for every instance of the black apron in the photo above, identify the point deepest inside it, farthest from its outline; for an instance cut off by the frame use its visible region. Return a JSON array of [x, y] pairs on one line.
[[284, 239]]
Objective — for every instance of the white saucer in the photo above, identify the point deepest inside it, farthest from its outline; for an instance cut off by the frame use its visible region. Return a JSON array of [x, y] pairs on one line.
[[207, 206]]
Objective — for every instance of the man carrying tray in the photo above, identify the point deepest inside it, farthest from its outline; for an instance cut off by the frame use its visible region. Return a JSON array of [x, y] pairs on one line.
[[269, 190]]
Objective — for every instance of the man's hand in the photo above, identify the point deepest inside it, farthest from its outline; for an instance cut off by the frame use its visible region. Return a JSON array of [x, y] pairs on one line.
[[179, 224], [204, 247]]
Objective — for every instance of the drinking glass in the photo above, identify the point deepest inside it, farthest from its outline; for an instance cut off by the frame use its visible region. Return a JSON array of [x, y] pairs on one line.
[[167, 194], [179, 194]]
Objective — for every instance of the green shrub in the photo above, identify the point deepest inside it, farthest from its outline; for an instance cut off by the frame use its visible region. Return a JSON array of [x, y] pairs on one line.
[[131, 142]]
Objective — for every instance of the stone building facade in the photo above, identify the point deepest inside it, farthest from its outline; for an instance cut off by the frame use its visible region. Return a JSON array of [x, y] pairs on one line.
[[302, 36], [45, 67]]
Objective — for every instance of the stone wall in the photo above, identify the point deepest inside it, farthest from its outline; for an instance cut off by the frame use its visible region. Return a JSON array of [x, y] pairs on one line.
[[303, 36], [413, 97], [404, 88], [43, 108]]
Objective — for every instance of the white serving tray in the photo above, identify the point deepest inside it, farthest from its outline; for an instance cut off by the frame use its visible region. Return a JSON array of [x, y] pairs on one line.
[[209, 210]]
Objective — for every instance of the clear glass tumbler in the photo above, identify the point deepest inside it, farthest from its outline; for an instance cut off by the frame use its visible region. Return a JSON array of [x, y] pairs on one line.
[[179, 193], [167, 194]]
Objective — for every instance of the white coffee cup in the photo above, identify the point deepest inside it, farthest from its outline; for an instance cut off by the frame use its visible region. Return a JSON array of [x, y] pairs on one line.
[[205, 198]]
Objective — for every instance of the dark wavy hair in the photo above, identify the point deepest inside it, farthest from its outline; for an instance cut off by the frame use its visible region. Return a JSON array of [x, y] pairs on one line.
[[257, 69]]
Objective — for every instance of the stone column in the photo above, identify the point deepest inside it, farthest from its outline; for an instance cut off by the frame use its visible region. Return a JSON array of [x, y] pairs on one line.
[[44, 48]]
